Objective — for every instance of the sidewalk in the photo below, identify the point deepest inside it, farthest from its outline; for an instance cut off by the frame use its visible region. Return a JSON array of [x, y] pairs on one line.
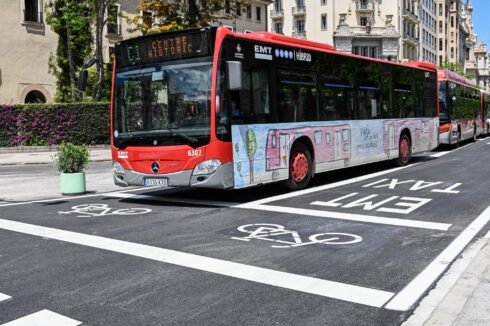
[[43, 155], [461, 297]]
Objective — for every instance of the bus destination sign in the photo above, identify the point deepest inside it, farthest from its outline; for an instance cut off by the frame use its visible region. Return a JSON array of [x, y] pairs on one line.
[[162, 47]]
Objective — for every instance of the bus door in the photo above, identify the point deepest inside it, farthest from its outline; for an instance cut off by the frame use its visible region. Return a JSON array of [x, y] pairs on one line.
[[284, 150]]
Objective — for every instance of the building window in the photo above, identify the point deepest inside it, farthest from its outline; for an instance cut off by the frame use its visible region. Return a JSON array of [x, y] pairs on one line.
[[258, 14], [278, 5], [249, 11], [238, 9], [300, 26], [114, 25], [32, 11], [324, 22], [227, 6], [363, 21], [278, 28], [323, 2], [452, 52]]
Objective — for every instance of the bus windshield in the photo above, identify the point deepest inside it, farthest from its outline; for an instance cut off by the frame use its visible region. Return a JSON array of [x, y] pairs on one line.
[[163, 105]]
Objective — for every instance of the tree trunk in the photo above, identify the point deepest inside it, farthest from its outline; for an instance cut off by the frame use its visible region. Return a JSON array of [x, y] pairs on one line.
[[99, 28], [193, 11], [71, 65]]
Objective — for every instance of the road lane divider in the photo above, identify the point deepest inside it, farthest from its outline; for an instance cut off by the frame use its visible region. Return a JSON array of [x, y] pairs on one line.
[[4, 297], [331, 289], [44, 318]]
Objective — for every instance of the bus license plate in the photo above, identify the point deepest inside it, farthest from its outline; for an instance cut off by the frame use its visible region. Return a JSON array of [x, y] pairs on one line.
[[156, 182]]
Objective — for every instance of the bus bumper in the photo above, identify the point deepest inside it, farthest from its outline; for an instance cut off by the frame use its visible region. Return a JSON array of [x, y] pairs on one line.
[[222, 178], [447, 138]]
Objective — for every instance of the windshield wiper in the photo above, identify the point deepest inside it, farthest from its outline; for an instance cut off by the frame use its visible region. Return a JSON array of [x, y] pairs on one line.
[[188, 138]]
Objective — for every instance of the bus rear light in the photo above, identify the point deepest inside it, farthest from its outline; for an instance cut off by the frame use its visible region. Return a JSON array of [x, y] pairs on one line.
[[445, 128], [206, 167]]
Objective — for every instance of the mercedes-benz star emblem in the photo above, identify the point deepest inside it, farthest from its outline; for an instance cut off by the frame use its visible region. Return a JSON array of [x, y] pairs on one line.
[[155, 167]]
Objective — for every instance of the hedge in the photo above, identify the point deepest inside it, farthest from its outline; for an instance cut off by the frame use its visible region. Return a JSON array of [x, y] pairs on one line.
[[53, 124]]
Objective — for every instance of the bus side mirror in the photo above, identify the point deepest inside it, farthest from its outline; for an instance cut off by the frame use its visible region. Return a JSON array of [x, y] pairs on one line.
[[234, 74], [82, 80]]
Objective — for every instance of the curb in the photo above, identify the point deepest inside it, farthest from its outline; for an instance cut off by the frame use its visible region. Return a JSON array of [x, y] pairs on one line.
[[33, 149]]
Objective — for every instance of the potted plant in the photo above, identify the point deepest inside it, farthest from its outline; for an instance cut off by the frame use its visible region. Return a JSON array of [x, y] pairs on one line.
[[71, 160]]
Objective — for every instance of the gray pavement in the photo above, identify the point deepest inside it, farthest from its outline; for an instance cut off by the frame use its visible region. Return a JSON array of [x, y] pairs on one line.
[[461, 297]]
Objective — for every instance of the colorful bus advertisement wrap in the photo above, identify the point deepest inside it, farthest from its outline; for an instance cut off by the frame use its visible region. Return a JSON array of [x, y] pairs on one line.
[[261, 152]]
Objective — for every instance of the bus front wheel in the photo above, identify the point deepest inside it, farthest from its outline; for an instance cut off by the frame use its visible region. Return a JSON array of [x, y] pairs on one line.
[[404, 151], [300, 167]]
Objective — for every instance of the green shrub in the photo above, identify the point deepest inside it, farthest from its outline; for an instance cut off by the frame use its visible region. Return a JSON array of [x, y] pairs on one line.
[[53, 124], [70, 158]]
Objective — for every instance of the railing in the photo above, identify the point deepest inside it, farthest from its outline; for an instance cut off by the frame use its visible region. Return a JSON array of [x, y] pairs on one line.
[[277, 13], [114, 29], [33, 16], [410, 14], [299, 10], [299, 34], [411, 38], [363, 6], [483, 72]]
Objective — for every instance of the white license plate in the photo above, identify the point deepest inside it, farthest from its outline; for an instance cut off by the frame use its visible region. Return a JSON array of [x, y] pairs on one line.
[[156, 182]]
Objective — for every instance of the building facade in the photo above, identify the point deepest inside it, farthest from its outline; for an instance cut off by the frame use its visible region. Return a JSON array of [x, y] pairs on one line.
[[428, 31], [27, 42]]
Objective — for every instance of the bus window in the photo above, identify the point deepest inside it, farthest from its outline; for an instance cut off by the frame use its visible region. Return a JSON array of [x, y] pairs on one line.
[[368, 92], [297, 96]]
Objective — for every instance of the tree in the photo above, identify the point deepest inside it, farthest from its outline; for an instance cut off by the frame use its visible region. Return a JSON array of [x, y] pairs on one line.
[[100, 8], [165, 15], [70, 19]]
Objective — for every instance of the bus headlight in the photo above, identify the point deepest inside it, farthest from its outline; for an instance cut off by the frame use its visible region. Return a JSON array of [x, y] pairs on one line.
[[117, 168], [206, 167]]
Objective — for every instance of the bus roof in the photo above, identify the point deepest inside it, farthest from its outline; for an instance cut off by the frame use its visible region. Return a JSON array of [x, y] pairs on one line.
[[452, 76], [311, 45]]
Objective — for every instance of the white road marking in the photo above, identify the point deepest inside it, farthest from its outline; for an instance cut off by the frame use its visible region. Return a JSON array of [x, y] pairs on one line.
[[487, 236], [173, 199], [65, 198], [330, 289], [488, 143], [352, 217], [324, 187], [440, 154], [421, 283], [44, 318], [4, 297]]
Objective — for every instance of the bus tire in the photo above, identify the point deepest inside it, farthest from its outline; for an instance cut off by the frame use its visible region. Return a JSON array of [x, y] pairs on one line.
[[300, 167], [404, 150]]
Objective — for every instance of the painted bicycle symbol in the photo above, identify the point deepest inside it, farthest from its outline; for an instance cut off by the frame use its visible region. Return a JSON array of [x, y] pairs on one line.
[[96, 210], [290, 239]]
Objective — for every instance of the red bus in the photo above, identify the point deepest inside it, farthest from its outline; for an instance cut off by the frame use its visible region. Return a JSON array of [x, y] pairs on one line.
[[460, 108], [485, 112], [214, 109]]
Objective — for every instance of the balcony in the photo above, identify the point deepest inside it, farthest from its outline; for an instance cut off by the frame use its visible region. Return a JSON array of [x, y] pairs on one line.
[[410, 39], [277, 14], [298, 10], [33, 16], [114, 29], [483, 72], [301, 34], [410, 15], [470, 65], [364, 7]]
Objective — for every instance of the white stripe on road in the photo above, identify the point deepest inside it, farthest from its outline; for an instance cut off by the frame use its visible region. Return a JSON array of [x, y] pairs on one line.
[[4, 297], [172, 199], [488, 143], [335, 290], [324, 187], [405, 299], [44, 318], [440, 154], [352, 217], [487, 236]]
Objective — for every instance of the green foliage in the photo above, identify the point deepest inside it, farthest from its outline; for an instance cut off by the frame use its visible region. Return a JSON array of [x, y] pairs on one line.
[[70, 19], [71, 158], [455, 67], [176, 14], [53, 124]]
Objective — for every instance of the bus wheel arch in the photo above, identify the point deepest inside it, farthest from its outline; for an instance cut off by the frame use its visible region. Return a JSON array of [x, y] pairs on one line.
[[404, 148], [301, 167]]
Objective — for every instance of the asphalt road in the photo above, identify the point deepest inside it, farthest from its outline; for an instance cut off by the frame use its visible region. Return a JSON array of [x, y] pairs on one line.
[[360, 246]]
